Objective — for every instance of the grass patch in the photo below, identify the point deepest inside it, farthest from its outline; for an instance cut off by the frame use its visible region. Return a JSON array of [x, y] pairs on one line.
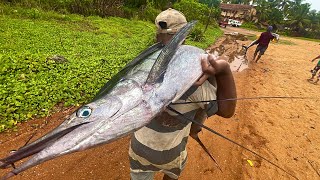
[[32, 82], [286, 42], [307, 39], [252, 28], [209, 37]]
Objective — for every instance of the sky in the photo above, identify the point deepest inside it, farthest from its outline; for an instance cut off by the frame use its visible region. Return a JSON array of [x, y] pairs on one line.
[[315, 4]]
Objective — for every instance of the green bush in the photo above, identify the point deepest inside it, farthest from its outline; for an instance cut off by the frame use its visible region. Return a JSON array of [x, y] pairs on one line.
[[83, 7], [205, 39], [159, 4], [193, 10], [149, 13], [130, 12], [134, 3], [197, 34]]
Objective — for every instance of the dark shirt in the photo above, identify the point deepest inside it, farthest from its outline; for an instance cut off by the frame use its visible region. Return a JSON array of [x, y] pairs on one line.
[[265, 38]]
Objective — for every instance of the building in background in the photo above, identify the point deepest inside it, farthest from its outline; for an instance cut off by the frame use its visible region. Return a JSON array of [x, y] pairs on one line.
[[240, 12]]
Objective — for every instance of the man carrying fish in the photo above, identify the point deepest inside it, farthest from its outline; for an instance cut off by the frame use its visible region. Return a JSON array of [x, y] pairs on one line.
[[161, 144]]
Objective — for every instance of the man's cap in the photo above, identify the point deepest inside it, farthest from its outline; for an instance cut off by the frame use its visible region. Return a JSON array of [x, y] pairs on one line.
[[170, 21], [270, 28]]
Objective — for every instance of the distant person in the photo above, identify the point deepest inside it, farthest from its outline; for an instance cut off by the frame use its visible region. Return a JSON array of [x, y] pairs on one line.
[[263, 43], [315, 70]]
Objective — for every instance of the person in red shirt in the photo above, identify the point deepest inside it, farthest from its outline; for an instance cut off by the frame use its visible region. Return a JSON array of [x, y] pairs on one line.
[[263, 43]]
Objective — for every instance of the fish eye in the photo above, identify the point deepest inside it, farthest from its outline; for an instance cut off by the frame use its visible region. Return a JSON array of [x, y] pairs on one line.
[[84, 112]]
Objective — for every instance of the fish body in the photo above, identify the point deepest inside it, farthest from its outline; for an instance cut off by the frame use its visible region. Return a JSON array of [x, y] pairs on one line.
[[133, 100]]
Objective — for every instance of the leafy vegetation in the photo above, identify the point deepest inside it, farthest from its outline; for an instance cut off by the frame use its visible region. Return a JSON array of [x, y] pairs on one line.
[[50, 58]]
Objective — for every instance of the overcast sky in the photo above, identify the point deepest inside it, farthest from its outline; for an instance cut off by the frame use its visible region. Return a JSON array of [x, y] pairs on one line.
[[315, 4]]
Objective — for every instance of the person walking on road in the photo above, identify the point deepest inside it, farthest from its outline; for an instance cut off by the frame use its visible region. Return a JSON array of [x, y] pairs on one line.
[[262, 42]]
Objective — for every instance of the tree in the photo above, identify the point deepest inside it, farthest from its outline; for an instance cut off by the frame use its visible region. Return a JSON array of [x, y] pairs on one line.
[[263, 10], [314, 18], [298, 17], [211, 3]]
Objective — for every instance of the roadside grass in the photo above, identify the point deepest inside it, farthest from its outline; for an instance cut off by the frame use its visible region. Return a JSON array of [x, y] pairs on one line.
[[32, 82], [253, 29], [307, 39], [286, 42]]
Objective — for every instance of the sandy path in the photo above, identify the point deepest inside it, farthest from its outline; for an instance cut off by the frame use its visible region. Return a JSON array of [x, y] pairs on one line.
[[286, 131]]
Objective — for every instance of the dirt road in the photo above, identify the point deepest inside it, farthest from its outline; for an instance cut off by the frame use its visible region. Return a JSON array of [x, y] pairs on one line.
[[285, 131]]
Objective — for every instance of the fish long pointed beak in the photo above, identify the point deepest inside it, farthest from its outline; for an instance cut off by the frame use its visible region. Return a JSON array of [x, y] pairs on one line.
[[37, 146]]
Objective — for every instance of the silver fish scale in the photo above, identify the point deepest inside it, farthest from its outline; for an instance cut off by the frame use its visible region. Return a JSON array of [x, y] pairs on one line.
[[183, 70]]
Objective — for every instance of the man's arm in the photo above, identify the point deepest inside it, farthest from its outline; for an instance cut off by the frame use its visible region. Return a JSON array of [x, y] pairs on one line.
[[253, 42], [315, 58], [220, 69]]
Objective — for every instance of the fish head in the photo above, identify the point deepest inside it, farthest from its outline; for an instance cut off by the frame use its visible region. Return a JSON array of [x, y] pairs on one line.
[[98, 111], [72, 135]]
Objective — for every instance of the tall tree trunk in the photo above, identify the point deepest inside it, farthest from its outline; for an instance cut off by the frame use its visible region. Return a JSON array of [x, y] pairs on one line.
[[208, 21]]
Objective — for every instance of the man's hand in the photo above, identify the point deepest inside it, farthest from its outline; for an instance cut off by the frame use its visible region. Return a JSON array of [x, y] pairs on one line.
[[226, 88], [211, 68]]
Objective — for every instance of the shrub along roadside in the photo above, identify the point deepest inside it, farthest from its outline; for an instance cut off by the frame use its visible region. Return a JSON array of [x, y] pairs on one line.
[[33, 80]]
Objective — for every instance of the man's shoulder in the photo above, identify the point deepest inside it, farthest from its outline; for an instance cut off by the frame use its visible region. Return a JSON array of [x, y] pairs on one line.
[[266, 33]]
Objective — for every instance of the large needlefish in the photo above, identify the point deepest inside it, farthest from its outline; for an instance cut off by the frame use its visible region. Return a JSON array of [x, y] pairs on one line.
[[139, 92]]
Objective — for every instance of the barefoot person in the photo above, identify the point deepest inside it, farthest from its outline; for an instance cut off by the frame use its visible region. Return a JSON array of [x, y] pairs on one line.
[[263, 43], [315, 70]]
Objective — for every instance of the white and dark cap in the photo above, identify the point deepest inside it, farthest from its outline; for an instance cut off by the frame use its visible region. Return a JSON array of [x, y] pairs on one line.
[[170, 21]]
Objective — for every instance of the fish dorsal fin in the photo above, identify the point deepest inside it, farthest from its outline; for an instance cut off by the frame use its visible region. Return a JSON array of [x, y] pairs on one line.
[[160, 66], [116, 78]]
